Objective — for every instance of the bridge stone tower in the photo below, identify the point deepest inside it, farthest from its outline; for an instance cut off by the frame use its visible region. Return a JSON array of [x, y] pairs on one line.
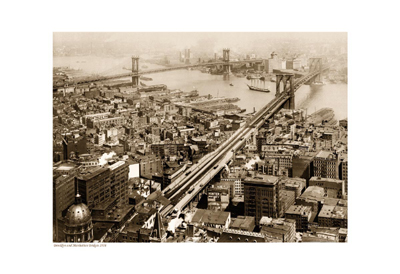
[[225, 58], [135, 70], [315, 64], [288, 88]]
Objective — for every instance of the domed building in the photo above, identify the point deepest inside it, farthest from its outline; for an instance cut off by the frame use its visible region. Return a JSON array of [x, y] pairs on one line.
[[78, 222]]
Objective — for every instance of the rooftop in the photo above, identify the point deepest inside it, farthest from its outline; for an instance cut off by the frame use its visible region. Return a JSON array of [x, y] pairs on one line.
[[100, 229], [115, 215], [324, 154], [326, 180], [313, 193], [262, 179], [210, 217], [298, 210], [334, 212], [235, 236], [243, 222], [117, 165], [92, 172]]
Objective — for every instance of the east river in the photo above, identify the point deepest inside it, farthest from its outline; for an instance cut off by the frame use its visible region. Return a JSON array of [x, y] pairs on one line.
[[311, 98]]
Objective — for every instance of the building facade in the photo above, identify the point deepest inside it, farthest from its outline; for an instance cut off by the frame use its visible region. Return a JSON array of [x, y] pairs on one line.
[[326, 165], [262, 196]]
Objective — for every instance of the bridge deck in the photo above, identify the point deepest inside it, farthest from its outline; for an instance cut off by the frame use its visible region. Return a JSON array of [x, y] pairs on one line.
[[151, 71]]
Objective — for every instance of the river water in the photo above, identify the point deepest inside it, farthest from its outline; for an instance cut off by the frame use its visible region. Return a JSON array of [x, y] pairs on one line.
[[311, 98]]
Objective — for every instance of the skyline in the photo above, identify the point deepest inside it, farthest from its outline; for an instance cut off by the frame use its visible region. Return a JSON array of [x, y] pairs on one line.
[[209, 41]]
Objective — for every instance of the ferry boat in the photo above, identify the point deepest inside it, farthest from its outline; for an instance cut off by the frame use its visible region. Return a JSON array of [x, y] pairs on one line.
[[258, 89]]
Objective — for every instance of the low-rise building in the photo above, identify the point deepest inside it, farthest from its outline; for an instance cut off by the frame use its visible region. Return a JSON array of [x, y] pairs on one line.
[[246, 223], [301, 214], [333, 188], [217, 219], [218, 197], [279, 229], [326, 165], [322, 234], [333, 216], [240, 236]]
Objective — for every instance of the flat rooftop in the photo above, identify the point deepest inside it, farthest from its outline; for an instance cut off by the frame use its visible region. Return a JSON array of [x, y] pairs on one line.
[[334, 212], [316, 179], [323, 154], [90, 173], [313, 193], [100, 229], [117, 165], [115, 215], [243, 222], [262, 179], [298, 210], [240, 236]]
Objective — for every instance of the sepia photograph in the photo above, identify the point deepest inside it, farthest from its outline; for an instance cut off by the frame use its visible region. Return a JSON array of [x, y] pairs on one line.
[[200, 137]]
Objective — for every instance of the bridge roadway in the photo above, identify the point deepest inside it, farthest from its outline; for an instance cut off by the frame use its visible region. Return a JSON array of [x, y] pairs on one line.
[[151, 71], [201, 173]]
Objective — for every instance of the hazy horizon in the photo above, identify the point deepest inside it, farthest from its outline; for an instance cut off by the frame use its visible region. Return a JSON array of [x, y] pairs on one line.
[[210, 41]]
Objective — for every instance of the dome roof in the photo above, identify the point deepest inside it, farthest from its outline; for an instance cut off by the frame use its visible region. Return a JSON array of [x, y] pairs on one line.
[[78, 214]]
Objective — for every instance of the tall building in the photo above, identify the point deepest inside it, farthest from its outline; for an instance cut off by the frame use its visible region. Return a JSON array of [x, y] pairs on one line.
[[78, 222], [99, 184], [150, 165], [293, 64], [119, 181], [94, 185], [326, 165], [63, 197], [262, 197], [272, 63], [343, 175]]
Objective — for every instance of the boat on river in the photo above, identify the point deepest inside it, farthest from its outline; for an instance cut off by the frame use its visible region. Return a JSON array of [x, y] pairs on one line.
[[258, 89]]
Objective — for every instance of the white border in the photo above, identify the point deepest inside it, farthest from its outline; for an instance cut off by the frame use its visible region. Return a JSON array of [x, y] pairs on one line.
[[26, 134]]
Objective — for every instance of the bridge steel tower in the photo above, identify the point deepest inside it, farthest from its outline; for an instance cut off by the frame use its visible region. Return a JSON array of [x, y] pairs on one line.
[[135, 70], [315, 64], [225, 58], [288, 88]]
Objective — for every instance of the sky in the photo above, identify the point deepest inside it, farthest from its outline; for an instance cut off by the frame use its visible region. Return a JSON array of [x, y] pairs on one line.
[[195, 40]]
